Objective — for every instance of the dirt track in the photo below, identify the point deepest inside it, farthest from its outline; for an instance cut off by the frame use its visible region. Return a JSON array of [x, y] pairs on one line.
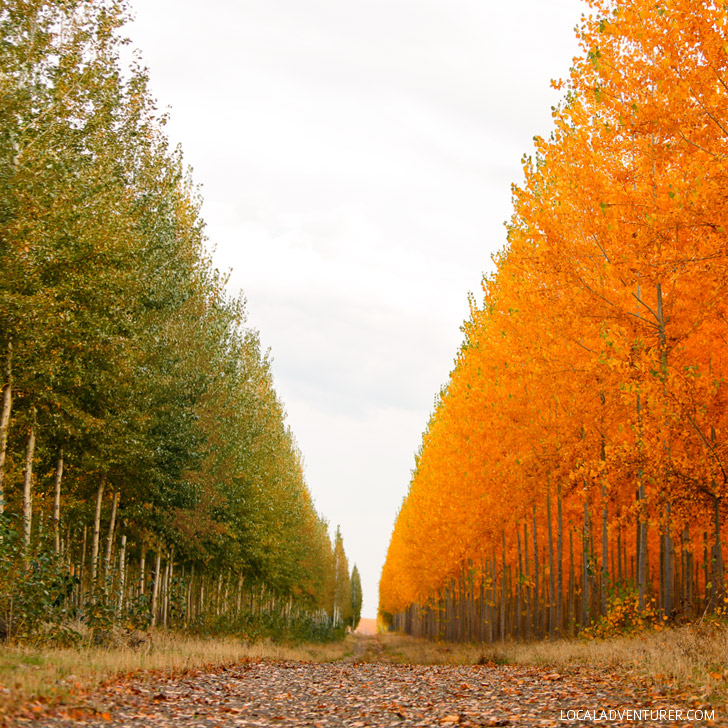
[[362, 693]]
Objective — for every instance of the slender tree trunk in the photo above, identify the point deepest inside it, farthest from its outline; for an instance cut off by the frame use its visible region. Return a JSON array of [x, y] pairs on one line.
[[519, 583], [669, 565], [687, 547], [552, 570], [528, 580], [620, 575], [605, 554], [503, 591], [122, 574], [165, 592], [28, 492], [536, 603], [585, 588], [97, 534], [82, 575], [57, 502], [142, 567], [572, 581], [7, 405], [110, 539], [559, 562], [717, 556], [156, 586]]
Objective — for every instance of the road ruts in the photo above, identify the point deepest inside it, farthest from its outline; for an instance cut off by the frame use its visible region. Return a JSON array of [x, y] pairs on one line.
[[362, 694]]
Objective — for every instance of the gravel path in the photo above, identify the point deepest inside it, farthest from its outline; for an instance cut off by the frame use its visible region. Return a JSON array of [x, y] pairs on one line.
[[360, 694]]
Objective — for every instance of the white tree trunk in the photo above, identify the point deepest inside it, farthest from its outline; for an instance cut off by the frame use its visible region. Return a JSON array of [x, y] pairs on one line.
[[122, 574], [28, 491], [110, 540], [97, 534], [5, 423], [57, 502], [155, 587]]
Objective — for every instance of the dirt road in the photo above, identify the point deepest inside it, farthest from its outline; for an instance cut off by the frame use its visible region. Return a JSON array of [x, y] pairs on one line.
[[364, 692]]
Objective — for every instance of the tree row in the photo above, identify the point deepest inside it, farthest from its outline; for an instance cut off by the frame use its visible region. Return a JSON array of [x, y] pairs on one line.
[[574, 468], [145, 463]]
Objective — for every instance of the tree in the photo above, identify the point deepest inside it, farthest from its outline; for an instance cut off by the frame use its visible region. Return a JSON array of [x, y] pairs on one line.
[[356, 597]]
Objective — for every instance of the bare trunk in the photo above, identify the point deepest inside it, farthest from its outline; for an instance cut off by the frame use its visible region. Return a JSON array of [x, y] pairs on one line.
[[669, 566], [5, 422], [572, 582], [717, 556], [142, 567], [57, 502], [28, 492], [110, 539], [552, 570], [536, 603], [605, 553], [528, 581], [519, 584], [97, 534], [559, 563], [586, 568], [165, 592], [122, 574], [83, 556], [503, 591], [155, 587]]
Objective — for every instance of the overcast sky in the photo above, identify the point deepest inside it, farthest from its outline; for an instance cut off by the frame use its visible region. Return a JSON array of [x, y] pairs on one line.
[[356, 158]]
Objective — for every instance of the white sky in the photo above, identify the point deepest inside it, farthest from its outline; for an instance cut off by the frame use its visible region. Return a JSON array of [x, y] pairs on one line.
[[356, 158]]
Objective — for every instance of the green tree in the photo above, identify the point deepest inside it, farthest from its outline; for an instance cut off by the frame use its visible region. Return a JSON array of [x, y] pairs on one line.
[[356, 597]]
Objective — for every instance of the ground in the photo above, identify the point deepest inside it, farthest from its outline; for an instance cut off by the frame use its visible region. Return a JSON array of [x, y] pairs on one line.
[[368, 687]]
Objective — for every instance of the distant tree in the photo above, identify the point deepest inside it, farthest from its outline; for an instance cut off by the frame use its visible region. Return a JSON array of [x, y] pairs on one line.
[[342, 587], [356, 597]]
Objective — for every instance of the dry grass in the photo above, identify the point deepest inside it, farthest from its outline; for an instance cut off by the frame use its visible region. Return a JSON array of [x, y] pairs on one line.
[[690, 657], [50, 674]]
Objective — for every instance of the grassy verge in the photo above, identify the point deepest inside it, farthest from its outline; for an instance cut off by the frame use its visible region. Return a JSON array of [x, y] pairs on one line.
[[52, 674], [692, 658]]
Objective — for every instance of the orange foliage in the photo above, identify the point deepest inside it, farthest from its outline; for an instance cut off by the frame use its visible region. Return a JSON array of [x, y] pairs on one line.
[[597, 361]]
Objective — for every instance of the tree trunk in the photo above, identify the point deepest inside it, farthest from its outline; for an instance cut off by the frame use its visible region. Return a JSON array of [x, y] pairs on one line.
[[559, 563], [585, 575], [57, 503], [519, 584], [82, 575], [97, 535], [572, 581], [122, 574], [165, 591], [503, 591], [110, 539], [605, 554], [717, 556], [536, 603], [155, 587], [669, 566], [5, 422], [528, 580], [142, 567], [552, 570], [28, 492]]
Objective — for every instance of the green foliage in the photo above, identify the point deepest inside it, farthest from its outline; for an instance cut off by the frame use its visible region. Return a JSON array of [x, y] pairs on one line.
[[273, 625], [356, 597], [124, 353], [34, 589]]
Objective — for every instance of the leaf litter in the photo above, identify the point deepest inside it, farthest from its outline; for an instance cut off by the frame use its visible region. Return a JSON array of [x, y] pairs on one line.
[[267, 693]]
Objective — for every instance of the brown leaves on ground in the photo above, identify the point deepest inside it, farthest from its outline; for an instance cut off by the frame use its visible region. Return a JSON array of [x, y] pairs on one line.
[[268, 693]]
